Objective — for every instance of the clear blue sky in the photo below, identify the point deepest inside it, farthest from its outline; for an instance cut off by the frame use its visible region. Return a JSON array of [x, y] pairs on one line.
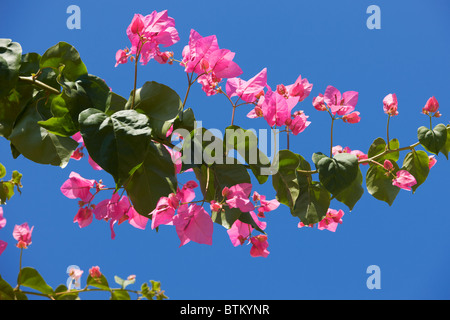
[[328, 43]]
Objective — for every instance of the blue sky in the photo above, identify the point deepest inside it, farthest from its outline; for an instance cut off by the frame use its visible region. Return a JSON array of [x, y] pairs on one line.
[[326, 42]]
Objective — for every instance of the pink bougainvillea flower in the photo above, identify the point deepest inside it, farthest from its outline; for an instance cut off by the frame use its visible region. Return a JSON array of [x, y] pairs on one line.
[[247, 91], [135, 219], [164, 211], [199, 48], [238, 197], [83, 217], [432, 161], [404, 180], [319, 103], [337, 149], [22, 233], [187, 193], [431, 106], [78, 187], [360, 155], [299, 123], [94, 272], [267, 206], [2, 219], [193, 223], [276, 108], [300, 89], [203, 56], [3, 245], [240, 231], [352, 117], [259, 246], [332, 219], [340, 104], [122, 56], [390, 104], [221, 64], [112, 210], [215, 206], [147, 33]]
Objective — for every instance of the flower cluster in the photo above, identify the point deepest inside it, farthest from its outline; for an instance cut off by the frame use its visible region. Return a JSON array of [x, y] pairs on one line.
[[274, 106], [211, 64], [116, 209], [338, 104], [21, 233], [146, 34], [330, 222]]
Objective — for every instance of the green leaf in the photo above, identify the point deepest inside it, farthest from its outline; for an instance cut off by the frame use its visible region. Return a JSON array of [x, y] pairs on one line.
[[2, 171], [221, 176], [160, 103], [380, 185], [12, 105], [446, 148], [10, 59], [245, 142], [417, 164], [337, 173], [312, 203], [87, 91], [351, 195], [61, 126], [99, 282], [29, 277], [6, 291], [227, 216], [120, 295], [117, 143], [185, 120], [62, 293], [6, 191], [379, 146], [316, 157], [146, 292], [16, 178], [116, 103], [285, 181], [154, 179], [433, 140], [63, 54], [37, 143]]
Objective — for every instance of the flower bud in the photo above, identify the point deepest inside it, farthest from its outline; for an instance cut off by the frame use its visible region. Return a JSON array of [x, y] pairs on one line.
[[281, 89], [431, 106], [388, 165], [94, 272]]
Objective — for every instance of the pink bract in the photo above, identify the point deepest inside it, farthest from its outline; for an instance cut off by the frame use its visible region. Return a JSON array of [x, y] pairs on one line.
[[22, 233], [3, 245], [340, 104], [260, 245], [332, 219], [193, 223], [247, 90], [404, 180], [390, 104], [2, 219], [78, 187]]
